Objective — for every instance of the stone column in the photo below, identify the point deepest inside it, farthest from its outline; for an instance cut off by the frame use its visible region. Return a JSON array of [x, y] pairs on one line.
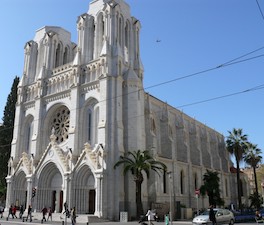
[[66, 188], [8, 194], [57, 201], [98, 195], [29, 191]]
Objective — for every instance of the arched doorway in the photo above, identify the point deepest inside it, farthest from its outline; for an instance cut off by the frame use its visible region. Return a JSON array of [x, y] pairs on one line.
[[84, 192], [20, 190], [49, 191]]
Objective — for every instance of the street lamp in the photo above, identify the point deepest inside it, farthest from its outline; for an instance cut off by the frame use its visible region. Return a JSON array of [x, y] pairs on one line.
[[170, 178]]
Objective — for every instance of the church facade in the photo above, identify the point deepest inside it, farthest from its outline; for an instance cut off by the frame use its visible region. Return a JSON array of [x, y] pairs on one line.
[[82, 105]]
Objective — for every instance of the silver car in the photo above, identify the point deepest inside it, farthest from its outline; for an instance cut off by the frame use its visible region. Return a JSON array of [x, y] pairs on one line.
[[223, 216]]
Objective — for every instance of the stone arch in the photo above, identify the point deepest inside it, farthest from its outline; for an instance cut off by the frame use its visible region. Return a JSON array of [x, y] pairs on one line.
[[100, 27], [58, 54], [84, 190], [66, 55], [19, 196], [50, 188], [153, 126], [89, 121], [27, 133]]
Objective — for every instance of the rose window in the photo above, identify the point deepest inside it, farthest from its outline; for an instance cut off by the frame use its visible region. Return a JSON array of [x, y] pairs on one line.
[[60, 124]]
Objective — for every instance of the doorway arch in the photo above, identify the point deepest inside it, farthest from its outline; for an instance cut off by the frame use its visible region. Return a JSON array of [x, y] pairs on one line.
[[50, 188]]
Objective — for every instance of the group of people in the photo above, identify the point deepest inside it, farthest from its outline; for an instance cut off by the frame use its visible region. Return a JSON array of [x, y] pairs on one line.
[[13, 209], [46, 211], [70, 213], [12, 212]]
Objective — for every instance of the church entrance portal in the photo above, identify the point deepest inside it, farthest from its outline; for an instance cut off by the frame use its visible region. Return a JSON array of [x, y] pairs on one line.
[[49, 192], [91, 201]]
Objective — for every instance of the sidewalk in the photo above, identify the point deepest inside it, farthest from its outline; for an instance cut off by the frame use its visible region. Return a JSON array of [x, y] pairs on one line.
[[59, 219]]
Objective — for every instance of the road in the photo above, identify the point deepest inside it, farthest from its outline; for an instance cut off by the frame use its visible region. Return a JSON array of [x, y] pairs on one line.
[[36, 222]]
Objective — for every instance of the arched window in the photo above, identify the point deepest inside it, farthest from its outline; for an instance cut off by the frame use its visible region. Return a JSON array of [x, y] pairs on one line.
[[182, 182], [127, 36], [89, 123], [65, 56], [91, 119], [165, 181], [96, 125], [195, 182], [153, 126], [100, 33], [28, 135], [170, 132], [57, 56]]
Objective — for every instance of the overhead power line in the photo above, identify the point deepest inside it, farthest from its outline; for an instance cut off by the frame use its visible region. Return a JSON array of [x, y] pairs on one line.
[[260, 10], [228, 63], [223, 96]]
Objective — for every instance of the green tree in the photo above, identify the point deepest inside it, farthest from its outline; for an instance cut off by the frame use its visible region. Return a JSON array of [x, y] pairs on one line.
[[256, 200], [139, 162], [236, 144], [211, 188], [6, 133], [253, 158]]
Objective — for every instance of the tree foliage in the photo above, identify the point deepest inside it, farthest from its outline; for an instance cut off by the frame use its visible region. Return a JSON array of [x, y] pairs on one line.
[[211, 188], [256, 200], [6, 133], [253, 158], [236, 144], [139, 162]]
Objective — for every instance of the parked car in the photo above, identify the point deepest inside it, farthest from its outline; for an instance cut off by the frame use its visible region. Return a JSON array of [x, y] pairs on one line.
[[223, 216]]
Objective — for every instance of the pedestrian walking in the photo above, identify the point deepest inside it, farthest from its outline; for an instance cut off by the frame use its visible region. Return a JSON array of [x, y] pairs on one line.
[[44, 212], [21, 211], [73, 216], [212, 215], [29, 215], [150, 216], [10, 212], [14, 211], [49, 214]]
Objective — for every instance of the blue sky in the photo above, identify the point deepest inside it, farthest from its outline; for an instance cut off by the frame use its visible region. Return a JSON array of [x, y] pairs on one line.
[[194, 36]]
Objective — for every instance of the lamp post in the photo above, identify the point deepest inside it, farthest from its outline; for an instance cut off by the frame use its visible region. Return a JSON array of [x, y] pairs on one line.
[[170, 178]]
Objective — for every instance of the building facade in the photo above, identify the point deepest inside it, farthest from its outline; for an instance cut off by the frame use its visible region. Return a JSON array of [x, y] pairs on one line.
[[82, 105]]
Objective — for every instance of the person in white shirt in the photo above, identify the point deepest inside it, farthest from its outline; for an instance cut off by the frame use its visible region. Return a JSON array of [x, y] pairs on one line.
[[150, 216]]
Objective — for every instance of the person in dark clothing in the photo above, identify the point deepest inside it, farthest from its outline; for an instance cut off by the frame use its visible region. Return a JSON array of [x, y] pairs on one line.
[[14, 212], [44, 212], [212, 215], [10, 212], [2, 209], [49, 214], [29, 215], [73, 216], [21, 211]]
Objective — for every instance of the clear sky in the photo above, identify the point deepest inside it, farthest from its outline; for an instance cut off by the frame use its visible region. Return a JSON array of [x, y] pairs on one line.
[[194, 36]]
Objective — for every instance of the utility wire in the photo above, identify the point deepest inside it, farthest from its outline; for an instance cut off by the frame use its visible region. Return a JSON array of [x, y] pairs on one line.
[[223, 96], [228, 63], [260, 9], [259, 87]]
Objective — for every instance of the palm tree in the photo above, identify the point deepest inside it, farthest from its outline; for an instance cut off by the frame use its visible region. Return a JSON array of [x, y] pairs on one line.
[[253, 158], [236, 145], [211, 188], [138, 162]]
